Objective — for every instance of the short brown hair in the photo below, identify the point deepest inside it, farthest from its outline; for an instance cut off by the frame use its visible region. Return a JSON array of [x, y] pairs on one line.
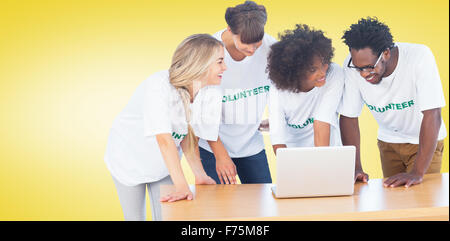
[[247, 20]]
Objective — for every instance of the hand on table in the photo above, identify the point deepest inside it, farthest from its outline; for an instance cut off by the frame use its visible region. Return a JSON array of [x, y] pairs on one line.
[[407, 179], [360, 175], [205, 179], [179, 194]]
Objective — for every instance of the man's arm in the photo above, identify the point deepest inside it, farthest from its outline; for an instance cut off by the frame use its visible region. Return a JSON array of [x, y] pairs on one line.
[[429, 130], [350, 136]]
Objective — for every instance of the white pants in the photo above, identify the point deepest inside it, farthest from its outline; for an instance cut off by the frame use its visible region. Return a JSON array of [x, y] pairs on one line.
[[132, 199]]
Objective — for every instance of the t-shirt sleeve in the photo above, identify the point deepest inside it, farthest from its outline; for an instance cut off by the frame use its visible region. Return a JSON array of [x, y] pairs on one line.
[[428, 82], [156, 107], [330, 97], [207, 113], [277, 120], [352, 102]]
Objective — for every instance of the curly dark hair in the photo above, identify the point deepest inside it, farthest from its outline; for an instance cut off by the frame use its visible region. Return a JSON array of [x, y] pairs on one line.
[[369, 32], [247, 20], [291, 58]]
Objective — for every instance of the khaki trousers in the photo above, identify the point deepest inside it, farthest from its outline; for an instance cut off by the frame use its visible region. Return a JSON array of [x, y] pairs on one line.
[[400, 157]]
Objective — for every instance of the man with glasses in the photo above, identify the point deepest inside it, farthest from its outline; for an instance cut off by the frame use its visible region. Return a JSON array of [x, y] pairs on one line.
[[400, 84]]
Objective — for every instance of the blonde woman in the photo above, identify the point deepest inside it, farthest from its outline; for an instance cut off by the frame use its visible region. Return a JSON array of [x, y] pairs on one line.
[[147, 137]]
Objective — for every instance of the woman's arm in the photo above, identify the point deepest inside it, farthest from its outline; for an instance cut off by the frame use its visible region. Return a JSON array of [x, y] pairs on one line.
[[321, 133], [193, 158], [276, 146], [325, 112], [169, 153]]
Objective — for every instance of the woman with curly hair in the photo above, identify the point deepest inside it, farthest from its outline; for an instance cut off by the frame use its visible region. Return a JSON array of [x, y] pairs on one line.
[[307, 88]]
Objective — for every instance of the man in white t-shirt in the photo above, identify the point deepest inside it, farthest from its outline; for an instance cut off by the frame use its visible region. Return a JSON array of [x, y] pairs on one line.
[[239, 148], [400, 84]]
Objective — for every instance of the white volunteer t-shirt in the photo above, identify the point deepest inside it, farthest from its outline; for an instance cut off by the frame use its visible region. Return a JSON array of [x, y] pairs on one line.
[[245, 87], [398, 100], [291, 115], [132, 153]]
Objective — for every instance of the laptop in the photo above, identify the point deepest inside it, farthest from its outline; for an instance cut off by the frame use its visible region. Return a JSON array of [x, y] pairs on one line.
[[315, 171]]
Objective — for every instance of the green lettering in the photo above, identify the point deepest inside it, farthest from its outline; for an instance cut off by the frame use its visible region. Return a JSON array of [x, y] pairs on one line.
[[246, 93], [404, 105], [307, 122], [391, 106], [293, 126]]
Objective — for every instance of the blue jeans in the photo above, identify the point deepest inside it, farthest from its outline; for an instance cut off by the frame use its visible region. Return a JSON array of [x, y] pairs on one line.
[[252, 169]]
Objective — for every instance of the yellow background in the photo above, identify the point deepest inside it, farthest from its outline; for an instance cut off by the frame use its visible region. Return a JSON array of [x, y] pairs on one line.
[[68, 67]]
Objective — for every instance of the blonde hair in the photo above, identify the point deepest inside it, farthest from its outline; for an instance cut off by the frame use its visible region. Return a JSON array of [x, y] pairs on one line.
[[191, 62]]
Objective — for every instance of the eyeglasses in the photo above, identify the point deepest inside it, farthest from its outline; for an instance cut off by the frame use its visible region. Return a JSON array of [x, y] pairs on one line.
[[366, 68]]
